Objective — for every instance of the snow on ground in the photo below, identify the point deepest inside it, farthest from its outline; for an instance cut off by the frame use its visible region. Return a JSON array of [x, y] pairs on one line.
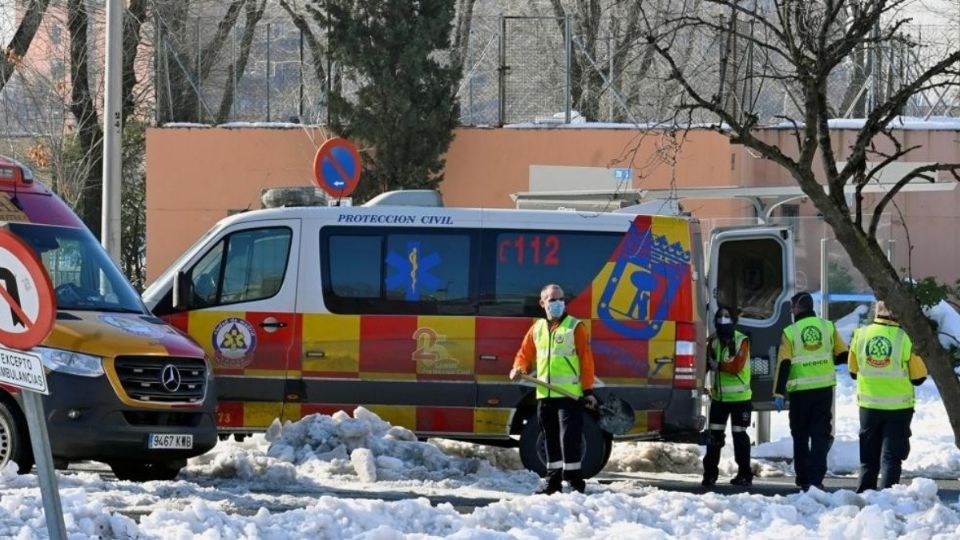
[[348, 477], [345, 477]]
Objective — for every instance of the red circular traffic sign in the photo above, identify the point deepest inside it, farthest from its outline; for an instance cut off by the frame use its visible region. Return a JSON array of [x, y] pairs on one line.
[[336, 167], [27, 304]]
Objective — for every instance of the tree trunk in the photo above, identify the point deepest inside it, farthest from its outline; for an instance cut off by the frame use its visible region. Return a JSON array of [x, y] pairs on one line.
[[317, 53], [89, 133], [176, 100], [14, 52], [872, 263], [133, 19], [254, 14]]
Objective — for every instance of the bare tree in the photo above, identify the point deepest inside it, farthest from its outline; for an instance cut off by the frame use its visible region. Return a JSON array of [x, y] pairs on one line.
[[799, 43], [14, 52], [186, 59], [253, 13]]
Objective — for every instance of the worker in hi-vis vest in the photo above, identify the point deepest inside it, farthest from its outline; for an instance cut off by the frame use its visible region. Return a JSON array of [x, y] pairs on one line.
[[810, 348], [886, 370], [728, 359], [560, 347]]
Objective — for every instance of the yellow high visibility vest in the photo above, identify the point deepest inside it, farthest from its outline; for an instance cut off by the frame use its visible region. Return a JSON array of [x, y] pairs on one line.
[[883, 376], [557, 360], [812, 363], [731, 386]]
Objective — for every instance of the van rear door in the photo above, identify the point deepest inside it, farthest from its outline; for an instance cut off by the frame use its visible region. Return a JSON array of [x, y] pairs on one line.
[[752, 268]]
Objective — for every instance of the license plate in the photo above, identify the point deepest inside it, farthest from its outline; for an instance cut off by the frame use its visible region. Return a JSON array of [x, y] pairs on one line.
[[169, 441]]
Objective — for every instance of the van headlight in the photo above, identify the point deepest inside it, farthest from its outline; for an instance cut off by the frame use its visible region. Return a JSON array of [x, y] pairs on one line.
[[71, 362]]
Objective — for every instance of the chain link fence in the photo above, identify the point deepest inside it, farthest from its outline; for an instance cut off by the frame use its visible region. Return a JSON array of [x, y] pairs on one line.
[[517, 69]]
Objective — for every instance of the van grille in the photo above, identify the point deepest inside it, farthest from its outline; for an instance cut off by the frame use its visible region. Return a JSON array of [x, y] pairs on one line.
[[162, 379]]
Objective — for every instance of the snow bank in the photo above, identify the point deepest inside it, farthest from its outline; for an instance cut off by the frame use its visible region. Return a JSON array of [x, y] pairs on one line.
[[361, 448]]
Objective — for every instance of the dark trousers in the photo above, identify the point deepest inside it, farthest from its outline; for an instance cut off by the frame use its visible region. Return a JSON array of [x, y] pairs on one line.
[[561, 420], [739, 414], [883, 435], [811, 421]]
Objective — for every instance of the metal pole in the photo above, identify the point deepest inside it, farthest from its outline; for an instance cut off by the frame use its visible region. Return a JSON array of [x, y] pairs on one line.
[[825, 314], [763, 427], [156, 70], [610, 51], [233, 62], [568, 52], [40, 442], [198, 76], [328, 52], [268, 71], [112, 131], [824, 281], [502, 109], [300, 104]]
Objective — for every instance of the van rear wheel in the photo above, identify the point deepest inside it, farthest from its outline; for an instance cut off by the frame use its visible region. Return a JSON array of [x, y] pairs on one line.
[[139, 471], [533, 449], [14, 439]]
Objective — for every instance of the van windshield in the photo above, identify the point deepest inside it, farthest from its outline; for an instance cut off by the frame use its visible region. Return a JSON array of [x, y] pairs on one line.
[[83, 275]]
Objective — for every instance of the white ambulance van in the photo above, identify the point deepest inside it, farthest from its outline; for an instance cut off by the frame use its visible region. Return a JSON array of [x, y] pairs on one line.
[[416, 312]]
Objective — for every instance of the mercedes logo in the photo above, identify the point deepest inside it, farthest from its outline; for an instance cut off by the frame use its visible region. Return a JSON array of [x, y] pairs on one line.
[[170, 378]]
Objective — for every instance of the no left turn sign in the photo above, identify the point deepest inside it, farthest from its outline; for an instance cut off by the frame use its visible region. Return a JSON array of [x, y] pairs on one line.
[[27, 303]]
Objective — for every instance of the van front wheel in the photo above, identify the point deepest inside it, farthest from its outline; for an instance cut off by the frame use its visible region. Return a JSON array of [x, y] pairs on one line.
[[533, 449], [14, 439]]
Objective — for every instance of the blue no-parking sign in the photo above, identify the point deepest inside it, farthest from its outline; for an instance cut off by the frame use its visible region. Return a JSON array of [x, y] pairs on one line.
[[336, 167]]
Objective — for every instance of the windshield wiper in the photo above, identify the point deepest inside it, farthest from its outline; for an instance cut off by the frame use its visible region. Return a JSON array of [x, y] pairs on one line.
[[118, 309]]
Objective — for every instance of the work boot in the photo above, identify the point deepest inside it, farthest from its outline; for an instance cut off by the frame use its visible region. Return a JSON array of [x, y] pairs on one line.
[[549, 488], [742, 479], [554, 484], [575, 479], [709, 479]]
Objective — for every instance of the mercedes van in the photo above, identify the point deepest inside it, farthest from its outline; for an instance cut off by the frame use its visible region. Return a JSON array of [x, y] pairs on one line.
[[126, 388]]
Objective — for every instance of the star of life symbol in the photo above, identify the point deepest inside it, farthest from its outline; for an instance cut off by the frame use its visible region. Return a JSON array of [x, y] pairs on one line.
[[234, 339], [411, 272]]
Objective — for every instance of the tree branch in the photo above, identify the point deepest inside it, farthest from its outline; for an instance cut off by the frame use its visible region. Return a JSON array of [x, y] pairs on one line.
[[919, 172], [14, 52]]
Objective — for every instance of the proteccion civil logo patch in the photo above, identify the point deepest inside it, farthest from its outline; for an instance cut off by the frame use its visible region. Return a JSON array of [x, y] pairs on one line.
[[879, 351], [812, 338], [234, 340]]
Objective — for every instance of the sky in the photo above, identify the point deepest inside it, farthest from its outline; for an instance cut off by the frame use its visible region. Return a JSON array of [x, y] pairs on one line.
[[304, 480]]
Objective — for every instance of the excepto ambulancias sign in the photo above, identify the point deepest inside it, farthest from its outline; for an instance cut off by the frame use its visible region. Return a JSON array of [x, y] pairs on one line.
[[22, 369]]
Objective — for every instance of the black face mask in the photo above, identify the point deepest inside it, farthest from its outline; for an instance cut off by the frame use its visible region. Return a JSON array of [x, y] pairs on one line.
[[725, 331]]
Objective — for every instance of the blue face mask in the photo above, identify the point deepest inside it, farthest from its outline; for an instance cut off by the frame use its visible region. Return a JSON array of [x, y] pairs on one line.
[[555, 309]]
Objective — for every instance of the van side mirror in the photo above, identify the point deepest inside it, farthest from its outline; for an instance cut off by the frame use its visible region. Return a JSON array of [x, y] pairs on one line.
[[181, 291]]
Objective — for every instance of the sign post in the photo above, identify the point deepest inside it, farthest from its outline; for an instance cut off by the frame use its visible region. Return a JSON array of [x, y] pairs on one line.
[[27, 311], [336, 168]]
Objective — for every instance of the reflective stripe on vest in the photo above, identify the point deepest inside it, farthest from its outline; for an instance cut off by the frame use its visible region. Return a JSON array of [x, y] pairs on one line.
[[731, 386], [883, 377], [812, 363], [557, 360]]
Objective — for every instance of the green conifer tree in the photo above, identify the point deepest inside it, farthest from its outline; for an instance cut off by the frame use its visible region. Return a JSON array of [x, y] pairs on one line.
[[403, 108]]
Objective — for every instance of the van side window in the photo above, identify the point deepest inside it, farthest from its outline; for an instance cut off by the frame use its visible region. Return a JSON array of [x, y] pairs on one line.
[[245, 266], [412, 271], [522, 262], [750, 276]]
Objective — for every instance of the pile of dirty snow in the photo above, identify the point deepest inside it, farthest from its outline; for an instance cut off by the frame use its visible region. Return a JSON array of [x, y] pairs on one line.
[[363, 448]]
